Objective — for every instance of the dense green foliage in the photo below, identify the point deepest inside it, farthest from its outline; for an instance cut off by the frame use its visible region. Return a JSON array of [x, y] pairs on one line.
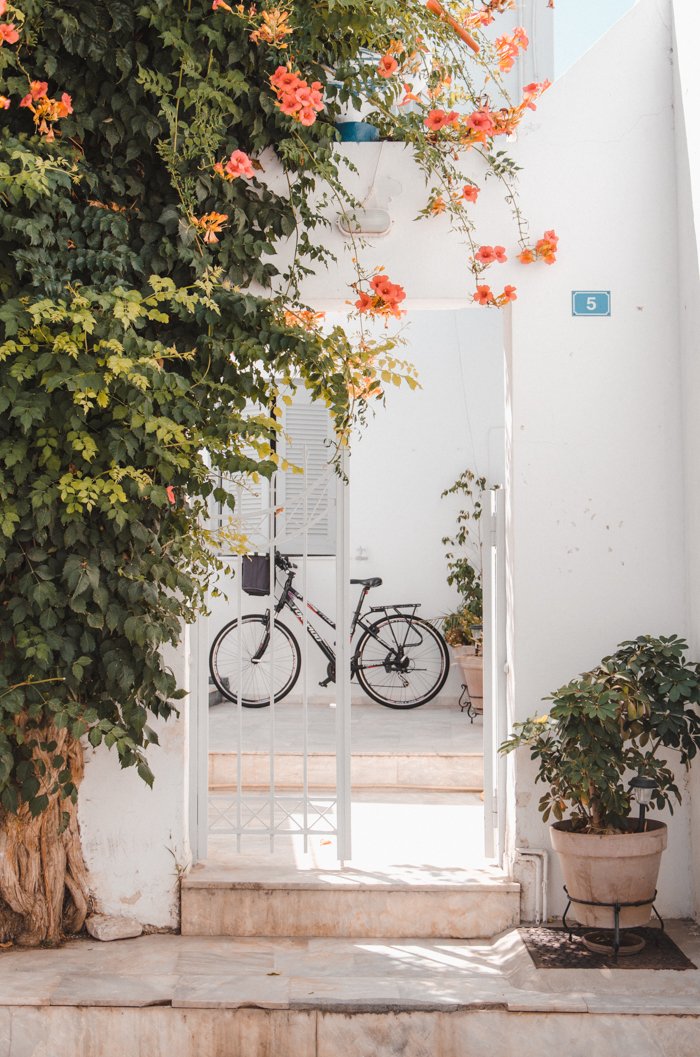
[[135, 341], [131, 350], [160, 92], [608, 725]]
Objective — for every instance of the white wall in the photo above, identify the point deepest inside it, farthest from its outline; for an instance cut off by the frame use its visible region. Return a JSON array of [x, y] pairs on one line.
[[134, 838], [596, 536], [417, 447], [687, 124], [424, 256], [409, 452]]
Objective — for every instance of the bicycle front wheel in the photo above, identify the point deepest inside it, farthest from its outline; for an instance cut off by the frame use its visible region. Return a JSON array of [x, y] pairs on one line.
[[250, 660], [402, 662]]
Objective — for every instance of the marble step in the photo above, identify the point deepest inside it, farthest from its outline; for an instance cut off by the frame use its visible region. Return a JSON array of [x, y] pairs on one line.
[[462, 772], [67, 1031], [273, 900]]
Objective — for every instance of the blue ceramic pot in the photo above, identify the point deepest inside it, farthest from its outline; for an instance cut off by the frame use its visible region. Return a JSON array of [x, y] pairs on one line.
[[357, 132]]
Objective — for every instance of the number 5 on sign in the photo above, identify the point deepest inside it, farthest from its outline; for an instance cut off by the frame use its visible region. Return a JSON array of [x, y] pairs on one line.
[[590, 303]]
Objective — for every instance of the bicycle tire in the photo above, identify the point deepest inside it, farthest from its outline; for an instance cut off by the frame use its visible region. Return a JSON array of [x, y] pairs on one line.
[[368, 639], [222, 681]]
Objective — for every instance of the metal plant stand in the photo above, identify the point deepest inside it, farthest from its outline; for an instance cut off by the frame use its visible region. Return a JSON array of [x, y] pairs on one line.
[[616, 908], [466, 704]]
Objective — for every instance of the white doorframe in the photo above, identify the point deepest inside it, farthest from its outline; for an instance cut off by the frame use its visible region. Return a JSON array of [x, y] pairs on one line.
[[495, 669]]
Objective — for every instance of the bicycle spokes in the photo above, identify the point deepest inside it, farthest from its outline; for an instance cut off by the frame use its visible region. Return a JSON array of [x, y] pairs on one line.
[[254, 662], [402, 662]]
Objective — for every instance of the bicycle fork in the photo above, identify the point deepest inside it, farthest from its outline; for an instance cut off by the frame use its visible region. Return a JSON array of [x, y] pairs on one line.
[[264, 642]]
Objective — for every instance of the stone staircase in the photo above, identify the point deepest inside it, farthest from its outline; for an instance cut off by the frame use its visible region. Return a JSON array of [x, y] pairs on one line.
[[294, 955], [268, 899], [448, 771]]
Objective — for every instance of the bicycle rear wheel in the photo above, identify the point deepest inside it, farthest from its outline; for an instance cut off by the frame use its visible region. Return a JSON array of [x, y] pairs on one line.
[[402, 662], [266, 664]]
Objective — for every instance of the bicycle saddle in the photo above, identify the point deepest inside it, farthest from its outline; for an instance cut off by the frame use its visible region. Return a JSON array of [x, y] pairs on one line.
[[372, 581]]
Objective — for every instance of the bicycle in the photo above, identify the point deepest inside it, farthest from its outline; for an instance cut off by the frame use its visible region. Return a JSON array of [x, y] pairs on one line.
[[400, 661]]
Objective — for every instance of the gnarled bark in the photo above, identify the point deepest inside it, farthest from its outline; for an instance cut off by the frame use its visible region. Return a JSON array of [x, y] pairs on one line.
[[43, 878]]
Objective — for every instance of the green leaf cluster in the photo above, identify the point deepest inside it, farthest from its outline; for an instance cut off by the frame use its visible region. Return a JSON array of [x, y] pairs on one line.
[[610, 724]]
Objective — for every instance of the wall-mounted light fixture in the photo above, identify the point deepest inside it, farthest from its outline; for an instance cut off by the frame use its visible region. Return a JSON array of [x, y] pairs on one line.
[[369, 220]]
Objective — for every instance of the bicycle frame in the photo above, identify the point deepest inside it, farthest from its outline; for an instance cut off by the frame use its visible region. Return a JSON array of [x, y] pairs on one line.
[[290, 596], [394, 641]]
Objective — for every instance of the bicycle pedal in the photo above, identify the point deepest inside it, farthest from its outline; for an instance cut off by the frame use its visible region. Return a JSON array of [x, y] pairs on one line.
[[326, 682]]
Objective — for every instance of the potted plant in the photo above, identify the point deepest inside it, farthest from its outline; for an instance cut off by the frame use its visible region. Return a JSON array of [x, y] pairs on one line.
[[463, 627], [353, 83], [597, 753]]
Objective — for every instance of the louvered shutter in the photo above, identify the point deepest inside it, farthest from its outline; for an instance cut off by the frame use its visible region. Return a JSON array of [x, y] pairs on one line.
[[251, 515], [308, 435], [252, 512]]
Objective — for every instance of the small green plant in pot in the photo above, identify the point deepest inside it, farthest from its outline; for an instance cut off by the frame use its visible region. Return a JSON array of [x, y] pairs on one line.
[[464, 552], [604, 728], [463, 626]]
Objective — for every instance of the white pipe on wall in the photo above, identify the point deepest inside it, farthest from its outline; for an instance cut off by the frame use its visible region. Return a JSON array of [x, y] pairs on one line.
[[541, 857]]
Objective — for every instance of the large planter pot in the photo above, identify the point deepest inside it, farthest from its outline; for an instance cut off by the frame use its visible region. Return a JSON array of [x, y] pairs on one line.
[[610, 868], [472, 668]]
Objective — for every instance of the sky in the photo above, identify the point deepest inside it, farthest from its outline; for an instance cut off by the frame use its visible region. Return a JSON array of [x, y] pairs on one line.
[[578, 25]]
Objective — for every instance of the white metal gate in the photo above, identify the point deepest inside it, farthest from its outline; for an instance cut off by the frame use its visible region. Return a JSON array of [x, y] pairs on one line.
[[238, 811]]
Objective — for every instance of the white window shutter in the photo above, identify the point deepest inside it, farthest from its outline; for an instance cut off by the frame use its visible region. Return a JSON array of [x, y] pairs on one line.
[[253, 512], [308, 432], [251, 515]]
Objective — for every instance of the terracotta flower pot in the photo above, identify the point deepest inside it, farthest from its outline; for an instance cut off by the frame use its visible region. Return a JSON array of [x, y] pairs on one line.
[[472, 668], [610, 868]]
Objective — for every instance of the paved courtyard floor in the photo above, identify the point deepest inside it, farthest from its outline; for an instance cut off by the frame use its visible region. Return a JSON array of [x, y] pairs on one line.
[[346, 975], [438, 727]]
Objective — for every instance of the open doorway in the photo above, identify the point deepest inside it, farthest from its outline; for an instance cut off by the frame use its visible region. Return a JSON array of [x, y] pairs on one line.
[[417, 773]]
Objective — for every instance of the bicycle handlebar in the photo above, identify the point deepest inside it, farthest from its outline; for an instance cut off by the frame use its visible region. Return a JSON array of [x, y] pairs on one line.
[[283, 562]]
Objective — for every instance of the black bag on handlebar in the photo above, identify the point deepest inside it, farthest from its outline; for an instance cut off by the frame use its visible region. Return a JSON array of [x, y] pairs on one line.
[[256, 574]]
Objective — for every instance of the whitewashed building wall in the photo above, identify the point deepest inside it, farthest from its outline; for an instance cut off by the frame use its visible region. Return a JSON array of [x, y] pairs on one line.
[[597, 486]]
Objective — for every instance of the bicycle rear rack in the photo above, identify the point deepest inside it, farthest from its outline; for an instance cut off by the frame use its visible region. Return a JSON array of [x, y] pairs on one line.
[[396, 606]]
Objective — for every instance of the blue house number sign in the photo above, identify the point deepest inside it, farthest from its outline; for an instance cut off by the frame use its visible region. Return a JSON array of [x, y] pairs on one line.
[[590, 302]]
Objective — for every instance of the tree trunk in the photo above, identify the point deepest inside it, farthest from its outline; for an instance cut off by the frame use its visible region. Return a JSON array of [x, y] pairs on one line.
[[43, 878]]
